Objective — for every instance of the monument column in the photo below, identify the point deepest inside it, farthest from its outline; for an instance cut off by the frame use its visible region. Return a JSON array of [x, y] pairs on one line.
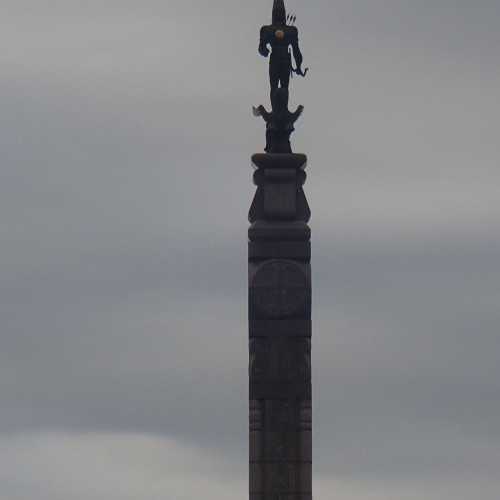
[[279, 275], [280, 331]]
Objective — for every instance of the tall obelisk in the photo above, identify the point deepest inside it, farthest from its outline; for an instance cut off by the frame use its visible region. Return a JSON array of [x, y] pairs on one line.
[[279, 265]]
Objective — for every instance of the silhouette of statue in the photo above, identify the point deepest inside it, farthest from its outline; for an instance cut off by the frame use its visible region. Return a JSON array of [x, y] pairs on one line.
[[280, 36]]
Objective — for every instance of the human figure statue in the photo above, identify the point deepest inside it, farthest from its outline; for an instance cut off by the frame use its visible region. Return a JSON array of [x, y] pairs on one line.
[[280, 122], [280, 36]]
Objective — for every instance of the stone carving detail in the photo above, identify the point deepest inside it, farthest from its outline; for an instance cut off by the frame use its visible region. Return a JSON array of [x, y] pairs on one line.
[[280, 289]]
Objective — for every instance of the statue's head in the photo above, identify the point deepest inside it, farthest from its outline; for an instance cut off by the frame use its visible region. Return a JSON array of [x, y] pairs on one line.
[[280, 99], [279, 12]]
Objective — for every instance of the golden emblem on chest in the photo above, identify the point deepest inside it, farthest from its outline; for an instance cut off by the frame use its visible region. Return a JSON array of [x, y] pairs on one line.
[[279, 34]]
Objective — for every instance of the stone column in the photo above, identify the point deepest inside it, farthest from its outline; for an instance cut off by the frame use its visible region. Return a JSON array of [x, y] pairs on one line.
[[280, 331]]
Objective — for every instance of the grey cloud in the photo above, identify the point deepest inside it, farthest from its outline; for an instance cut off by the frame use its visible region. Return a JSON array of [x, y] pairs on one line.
[[134, 465], [125, 183]]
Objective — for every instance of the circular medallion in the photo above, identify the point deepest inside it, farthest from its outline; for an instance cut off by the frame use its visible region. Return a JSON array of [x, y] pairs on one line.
[[279, 34], [280, 289]]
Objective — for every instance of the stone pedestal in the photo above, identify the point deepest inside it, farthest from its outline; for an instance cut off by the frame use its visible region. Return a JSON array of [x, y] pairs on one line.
[[280, 331]]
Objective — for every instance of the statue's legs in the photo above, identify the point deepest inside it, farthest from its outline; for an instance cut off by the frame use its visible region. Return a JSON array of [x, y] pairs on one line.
[[279, 74], [274, 78]]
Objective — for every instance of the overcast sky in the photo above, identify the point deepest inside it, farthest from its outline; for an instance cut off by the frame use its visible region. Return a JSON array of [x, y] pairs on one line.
[[125, 137]]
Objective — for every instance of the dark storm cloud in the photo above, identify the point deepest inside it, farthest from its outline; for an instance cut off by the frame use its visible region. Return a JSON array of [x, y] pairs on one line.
[[126, 134]]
